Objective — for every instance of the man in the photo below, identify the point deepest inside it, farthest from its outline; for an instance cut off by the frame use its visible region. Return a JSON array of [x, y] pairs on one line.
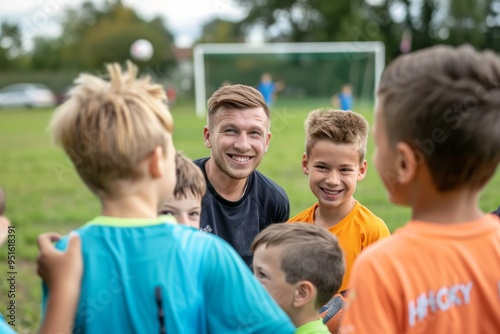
[[240, 201]]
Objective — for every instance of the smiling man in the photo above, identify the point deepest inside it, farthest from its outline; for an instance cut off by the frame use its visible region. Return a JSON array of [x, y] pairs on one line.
[[240, 201]]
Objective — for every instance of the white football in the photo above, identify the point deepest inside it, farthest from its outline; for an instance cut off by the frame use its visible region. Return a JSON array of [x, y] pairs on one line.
[[142, 50]]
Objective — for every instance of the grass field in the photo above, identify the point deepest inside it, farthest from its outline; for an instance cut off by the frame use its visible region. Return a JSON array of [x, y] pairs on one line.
[[44, 192]]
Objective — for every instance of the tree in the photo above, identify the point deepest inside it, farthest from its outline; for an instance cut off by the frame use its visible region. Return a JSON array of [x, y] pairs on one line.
[[11, 44], [92, 37], [428, 22], [303, 20], [221, 31]]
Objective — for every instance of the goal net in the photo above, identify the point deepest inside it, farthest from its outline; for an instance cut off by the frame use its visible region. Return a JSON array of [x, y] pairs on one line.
[[307, 70]]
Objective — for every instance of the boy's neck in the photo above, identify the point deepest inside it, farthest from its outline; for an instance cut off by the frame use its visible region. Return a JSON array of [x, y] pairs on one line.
[[451, 207], [329, 217], [304, 316], [129, 206]]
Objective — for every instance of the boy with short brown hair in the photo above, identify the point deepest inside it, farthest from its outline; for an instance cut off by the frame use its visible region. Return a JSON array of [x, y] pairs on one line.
[[185, 203], [301, 265], [437, 145]]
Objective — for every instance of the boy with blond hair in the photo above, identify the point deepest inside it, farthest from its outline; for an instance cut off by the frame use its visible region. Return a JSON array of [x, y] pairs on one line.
[[437, 145], [144, 273], [185, 203], [335, 160], [301, 266]]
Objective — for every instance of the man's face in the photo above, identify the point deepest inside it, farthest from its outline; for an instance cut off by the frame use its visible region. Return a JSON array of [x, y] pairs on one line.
[[238, 140]]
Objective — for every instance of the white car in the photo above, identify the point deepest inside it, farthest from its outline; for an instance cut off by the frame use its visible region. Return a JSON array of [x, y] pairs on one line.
[[28, 95]]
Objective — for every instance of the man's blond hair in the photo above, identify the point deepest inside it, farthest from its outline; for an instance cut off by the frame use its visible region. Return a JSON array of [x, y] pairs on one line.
[[108, 127]]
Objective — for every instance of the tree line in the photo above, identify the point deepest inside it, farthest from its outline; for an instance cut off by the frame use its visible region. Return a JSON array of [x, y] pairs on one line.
[[92, 36]]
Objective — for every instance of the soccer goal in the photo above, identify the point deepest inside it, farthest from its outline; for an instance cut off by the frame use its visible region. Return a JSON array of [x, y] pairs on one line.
[[306, 69]]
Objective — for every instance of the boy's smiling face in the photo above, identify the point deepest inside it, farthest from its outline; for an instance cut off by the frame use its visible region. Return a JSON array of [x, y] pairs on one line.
[[334, 170]]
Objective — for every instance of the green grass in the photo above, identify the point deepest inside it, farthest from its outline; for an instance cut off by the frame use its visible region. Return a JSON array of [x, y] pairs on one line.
[[44, 192]]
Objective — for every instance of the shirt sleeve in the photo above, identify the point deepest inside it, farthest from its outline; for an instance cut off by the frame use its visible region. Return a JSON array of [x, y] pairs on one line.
[[376, 230], [282, 212], [373, 303], [242, 304]]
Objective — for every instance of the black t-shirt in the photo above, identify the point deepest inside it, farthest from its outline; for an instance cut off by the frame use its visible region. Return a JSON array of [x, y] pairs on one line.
[[263, 203]]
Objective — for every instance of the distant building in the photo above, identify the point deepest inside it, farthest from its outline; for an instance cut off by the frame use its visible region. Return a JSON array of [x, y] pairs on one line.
[[183, 75]]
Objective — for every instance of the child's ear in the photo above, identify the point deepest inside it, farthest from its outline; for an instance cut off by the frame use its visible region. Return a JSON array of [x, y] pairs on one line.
[[305, 168], [304, 293], [156, 162], [407, 163], [363, 167], [206, 137]]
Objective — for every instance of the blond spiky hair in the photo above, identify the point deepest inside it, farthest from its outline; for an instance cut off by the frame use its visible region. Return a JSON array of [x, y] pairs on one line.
[[339, 127], [108, 127]]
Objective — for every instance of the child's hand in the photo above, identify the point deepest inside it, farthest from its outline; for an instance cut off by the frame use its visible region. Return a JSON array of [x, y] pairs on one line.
[[56, 267]]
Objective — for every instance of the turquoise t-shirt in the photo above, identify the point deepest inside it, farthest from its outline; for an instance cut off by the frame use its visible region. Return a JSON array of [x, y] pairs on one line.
[[313, 327], [4, 326], [137, 269]]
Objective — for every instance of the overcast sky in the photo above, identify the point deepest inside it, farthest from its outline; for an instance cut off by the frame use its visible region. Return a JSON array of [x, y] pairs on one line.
[[184, 17]]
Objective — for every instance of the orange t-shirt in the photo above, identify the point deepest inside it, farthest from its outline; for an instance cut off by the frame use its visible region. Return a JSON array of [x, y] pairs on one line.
[[429, 278], [355, 232]]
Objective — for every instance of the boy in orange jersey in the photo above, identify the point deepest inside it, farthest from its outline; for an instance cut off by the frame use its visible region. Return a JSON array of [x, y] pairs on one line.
[[335, 161], [437, 138]]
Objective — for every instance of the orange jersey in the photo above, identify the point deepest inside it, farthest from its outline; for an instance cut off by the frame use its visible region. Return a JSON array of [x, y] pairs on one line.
[[429, 278], [355, 232]]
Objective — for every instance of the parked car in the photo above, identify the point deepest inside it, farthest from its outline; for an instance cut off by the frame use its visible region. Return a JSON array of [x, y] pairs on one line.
[[29, 95]]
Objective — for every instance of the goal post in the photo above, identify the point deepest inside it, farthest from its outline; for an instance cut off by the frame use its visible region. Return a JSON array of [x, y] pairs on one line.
[[201, 51]]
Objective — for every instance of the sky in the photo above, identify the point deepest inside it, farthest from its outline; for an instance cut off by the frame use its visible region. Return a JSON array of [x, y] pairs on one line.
[[184, 18]]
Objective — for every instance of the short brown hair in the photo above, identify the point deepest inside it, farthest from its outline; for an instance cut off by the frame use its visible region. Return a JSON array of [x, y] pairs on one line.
[[190, 178], [309, 253], [108, 127], [339, 127], [235, 97], [445, 103]]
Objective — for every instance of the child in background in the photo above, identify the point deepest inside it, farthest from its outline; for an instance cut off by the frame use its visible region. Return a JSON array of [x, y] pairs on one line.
[[439, 273], [61, 270], [185, 203], [144, 273], [301, 265], [335, 161], [269, 89], [344, 100]]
